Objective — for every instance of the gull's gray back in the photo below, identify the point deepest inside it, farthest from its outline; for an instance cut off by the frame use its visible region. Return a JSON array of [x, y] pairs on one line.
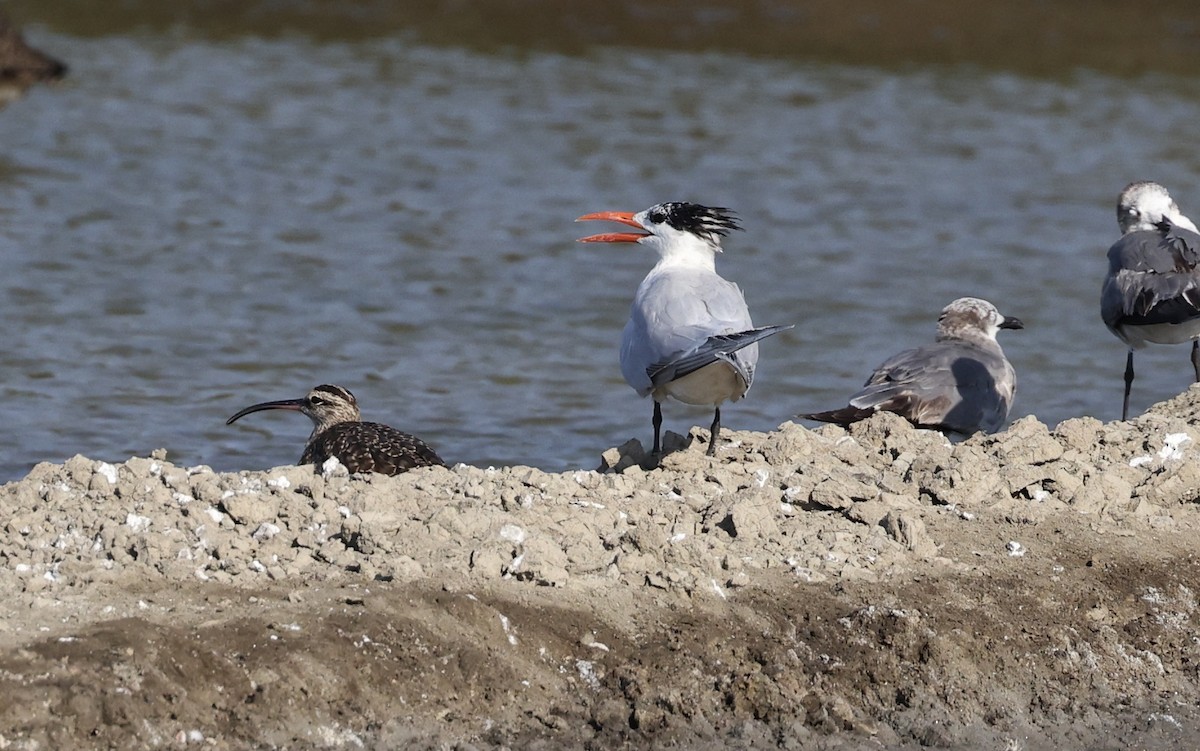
[[1153, 280], [957, 385]]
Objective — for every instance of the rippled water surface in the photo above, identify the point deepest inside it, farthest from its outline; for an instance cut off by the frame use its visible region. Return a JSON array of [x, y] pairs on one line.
[[189, 226]]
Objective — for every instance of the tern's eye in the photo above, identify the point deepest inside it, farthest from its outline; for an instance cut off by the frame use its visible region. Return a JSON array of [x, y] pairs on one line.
[[658, 216]]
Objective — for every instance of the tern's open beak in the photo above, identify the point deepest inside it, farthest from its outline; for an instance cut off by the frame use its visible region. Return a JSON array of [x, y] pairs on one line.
[[624, 217], [292, 404], [1012, 323]]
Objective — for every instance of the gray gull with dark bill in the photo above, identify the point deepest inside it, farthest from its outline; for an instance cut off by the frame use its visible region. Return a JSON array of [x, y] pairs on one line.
[[962, 383]]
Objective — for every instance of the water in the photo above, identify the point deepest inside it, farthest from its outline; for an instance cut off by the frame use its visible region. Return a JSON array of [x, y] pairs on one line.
[[192, 225]]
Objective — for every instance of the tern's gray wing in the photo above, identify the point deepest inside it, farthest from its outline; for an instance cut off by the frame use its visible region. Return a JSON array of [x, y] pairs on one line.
[[675, 312], [716, 347], [949, 385], [1153, 278]]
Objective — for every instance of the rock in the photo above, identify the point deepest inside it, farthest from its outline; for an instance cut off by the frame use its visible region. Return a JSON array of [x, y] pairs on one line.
[[755, 516], [621, 458], [545, 563], [250, 509], [1178, 482], [1103, 491], [1027, 441], [906, 528], [842, 493]]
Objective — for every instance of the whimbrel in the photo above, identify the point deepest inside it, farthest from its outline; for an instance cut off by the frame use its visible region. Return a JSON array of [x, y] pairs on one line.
[[689, 335], [1152, 291], [338, 431], [962, 383]]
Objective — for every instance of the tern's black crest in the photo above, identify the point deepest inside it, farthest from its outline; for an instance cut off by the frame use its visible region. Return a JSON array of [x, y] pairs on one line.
[[704, 221]]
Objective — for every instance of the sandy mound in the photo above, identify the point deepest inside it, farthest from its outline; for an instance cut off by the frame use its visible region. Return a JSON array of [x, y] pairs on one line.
[[874, 588]]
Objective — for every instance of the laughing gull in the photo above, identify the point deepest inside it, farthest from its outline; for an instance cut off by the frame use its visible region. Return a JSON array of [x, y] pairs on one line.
[[338, 431], [1150, 293], [689, 334], [961, 383]]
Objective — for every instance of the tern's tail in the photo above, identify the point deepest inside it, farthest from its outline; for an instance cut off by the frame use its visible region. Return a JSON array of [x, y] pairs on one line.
[[716, 347]]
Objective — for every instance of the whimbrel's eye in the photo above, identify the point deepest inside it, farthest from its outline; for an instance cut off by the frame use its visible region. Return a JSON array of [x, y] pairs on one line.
[[316, 401]]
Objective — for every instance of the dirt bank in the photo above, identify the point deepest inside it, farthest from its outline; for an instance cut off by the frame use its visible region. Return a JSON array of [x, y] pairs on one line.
[[877, 588]]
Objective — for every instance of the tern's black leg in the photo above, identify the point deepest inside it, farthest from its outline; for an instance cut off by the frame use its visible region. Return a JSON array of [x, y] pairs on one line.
[[657, 428], [714, 431], [1128, 385], [1196, 358]]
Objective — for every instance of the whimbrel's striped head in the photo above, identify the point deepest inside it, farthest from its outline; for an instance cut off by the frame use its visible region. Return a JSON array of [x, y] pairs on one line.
[[326, 405]]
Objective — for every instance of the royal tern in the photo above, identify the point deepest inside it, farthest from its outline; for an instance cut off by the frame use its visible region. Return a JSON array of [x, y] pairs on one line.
[[689, 334], [339, 431], [1150, 293], [961, 383]]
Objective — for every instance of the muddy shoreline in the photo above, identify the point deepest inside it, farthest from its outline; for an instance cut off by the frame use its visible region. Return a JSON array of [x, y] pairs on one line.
[[877, 588]]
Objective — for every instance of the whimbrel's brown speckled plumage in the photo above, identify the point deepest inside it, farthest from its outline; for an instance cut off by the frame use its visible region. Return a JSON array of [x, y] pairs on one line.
[[338, 431]]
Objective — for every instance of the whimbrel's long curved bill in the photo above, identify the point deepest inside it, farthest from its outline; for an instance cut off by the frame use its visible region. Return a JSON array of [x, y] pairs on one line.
[[292, 404]]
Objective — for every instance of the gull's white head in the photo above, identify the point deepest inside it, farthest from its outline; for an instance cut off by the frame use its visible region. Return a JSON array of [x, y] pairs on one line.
[[673, 228], [970, 317], [1144, 204]]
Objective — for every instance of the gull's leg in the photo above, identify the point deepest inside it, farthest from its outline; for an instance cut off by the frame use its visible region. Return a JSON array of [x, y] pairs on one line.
[[714, 430], [1196, 358], [1129, 384], [657, 428]]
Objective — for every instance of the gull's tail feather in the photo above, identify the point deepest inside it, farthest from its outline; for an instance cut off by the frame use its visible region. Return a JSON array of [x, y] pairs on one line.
[[844, 416]]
